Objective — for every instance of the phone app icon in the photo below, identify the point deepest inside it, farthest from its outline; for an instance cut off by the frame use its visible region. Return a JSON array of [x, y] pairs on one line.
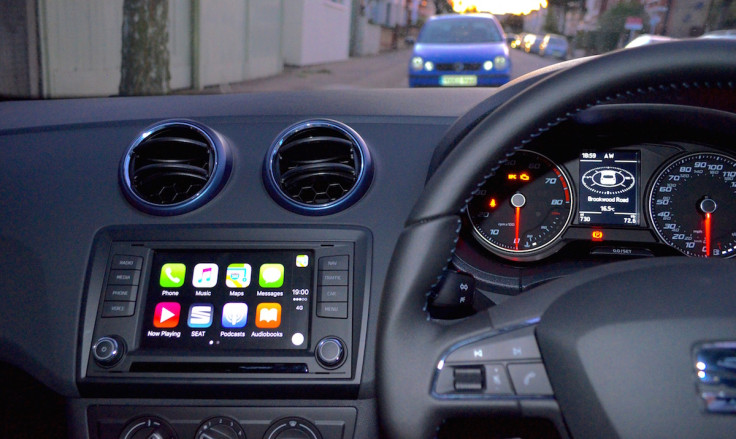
[[200, 315], [234, 315], [204, 275], [238, 275], [271, 276], [172, 275], [302, 261], [166, 315], [268, 315]]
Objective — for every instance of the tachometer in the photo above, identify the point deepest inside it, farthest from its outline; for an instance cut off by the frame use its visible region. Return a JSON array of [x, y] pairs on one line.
[[524, 208], [692, 205]]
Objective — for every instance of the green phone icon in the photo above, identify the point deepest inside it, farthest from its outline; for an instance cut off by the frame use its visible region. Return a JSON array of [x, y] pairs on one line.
[[172, 275], [271, 276]]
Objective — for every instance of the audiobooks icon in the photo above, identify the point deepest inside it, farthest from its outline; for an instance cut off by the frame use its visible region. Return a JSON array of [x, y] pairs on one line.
[[268, 315]]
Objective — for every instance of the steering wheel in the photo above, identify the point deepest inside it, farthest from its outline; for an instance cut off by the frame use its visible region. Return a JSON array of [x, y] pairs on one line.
[[620, 344]]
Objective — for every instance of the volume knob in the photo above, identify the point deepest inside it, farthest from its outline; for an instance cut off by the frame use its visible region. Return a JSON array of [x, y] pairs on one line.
[[108, 350]]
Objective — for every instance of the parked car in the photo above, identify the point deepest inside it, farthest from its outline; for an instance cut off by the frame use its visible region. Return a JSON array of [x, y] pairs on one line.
[[554, 46], [460, 50]]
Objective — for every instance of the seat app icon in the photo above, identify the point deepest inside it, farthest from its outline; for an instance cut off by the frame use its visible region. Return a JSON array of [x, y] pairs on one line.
[[268, 315], [271, 276], [200, 315], [238, 275], [172, 275]]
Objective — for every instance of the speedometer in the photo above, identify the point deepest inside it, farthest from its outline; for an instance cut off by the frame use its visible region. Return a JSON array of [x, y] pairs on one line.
[[524, 208], [692, 205]]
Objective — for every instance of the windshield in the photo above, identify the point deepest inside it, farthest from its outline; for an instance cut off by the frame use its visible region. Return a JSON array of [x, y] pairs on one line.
[[71, 49], [465, 31]]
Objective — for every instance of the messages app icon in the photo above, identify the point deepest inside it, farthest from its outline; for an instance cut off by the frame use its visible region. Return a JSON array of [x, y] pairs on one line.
[[172, 275], [271, 276]]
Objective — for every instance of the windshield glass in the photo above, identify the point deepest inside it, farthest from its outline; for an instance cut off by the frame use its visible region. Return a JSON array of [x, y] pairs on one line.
[[70, 49], [465, 31]]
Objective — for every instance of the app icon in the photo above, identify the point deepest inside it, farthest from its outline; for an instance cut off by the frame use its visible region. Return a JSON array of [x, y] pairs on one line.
[[172, 275], [268, 315], [302, 261], [204, 276], [238, 275], [166, 315], [200, 315], [234, 315], [271, 276]]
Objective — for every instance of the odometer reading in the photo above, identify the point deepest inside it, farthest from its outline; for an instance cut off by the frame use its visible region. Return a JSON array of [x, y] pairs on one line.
[[524, 208], [693, 205]]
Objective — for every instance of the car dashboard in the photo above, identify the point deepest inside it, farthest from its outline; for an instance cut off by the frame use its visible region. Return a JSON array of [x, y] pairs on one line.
[[186, 320]]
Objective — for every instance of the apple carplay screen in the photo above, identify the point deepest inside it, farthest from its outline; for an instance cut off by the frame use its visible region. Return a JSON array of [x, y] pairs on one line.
[[223, 301]]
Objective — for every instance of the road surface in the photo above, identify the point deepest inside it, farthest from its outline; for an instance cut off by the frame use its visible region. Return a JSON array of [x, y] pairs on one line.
[[385, 70]]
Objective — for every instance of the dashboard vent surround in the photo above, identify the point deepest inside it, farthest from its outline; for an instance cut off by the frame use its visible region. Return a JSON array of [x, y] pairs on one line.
[[318, 167], [174, 167]]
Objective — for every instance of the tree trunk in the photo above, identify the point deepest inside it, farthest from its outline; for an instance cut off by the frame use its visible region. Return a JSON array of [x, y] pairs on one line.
[[145, 61]]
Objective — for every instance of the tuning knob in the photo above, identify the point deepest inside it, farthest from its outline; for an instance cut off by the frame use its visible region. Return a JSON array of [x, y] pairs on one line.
[[330, 352]]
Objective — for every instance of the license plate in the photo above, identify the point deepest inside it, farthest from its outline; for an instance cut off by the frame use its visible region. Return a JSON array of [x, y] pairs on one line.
[[458, 80]]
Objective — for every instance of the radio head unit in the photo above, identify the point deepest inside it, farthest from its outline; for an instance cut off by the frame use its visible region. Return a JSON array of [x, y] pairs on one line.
[[288, 308]]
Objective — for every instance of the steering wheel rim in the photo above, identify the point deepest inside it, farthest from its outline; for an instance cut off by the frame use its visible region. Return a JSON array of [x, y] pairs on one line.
[[409, 344]]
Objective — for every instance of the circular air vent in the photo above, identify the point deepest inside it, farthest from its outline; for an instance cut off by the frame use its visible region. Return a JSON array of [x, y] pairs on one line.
[[318, 167], [174, 167]]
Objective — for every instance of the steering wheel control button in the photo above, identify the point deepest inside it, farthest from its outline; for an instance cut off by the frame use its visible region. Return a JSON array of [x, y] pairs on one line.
[[513, 346], [330, 352], [333, 277], [124, 277], [497, 380], [333, 294], [121, 293], [123, 262], [334, 263], [107, 351], [530, 379], [118, 309], [220, 428], [292, 428], [455, 291], [469, 378]]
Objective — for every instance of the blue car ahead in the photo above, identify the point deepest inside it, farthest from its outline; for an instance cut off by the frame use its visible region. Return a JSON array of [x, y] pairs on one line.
[[460, 50]]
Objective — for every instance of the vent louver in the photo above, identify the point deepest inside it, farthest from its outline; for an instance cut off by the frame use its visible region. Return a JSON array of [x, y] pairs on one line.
[[318, 167], [174, 167]]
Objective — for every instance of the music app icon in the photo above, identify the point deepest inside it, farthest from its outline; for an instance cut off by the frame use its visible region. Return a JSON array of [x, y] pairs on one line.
[[204, 275]]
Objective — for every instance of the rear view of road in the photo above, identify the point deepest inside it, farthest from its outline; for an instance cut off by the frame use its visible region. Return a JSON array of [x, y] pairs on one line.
[[385, 70]]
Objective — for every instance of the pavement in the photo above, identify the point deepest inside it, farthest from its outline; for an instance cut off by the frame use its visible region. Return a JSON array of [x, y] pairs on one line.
[[385, 70]]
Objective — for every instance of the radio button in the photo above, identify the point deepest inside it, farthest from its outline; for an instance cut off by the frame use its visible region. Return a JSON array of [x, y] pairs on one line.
[[334, 262], [124, 277], [332, 310], [123, 262], [333, 278], [123, 293], [118, 309], [333, 294]]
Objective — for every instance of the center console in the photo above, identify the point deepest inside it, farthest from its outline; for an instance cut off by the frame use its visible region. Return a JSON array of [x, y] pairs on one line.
[[224, 313]]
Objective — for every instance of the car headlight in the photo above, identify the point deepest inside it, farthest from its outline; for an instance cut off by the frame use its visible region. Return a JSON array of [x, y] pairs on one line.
[[429, 66], [488, 66], [417, 63], [500, 62]]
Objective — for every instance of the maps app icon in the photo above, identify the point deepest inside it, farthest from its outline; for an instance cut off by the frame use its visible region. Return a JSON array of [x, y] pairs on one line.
[[238, 275]]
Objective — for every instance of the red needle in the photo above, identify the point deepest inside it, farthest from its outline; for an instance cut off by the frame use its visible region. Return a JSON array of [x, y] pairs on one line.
[[516, 235], [707, 234]]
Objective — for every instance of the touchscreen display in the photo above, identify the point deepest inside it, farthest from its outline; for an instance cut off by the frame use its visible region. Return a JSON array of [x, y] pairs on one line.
[[235, 300], [609, 188]]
